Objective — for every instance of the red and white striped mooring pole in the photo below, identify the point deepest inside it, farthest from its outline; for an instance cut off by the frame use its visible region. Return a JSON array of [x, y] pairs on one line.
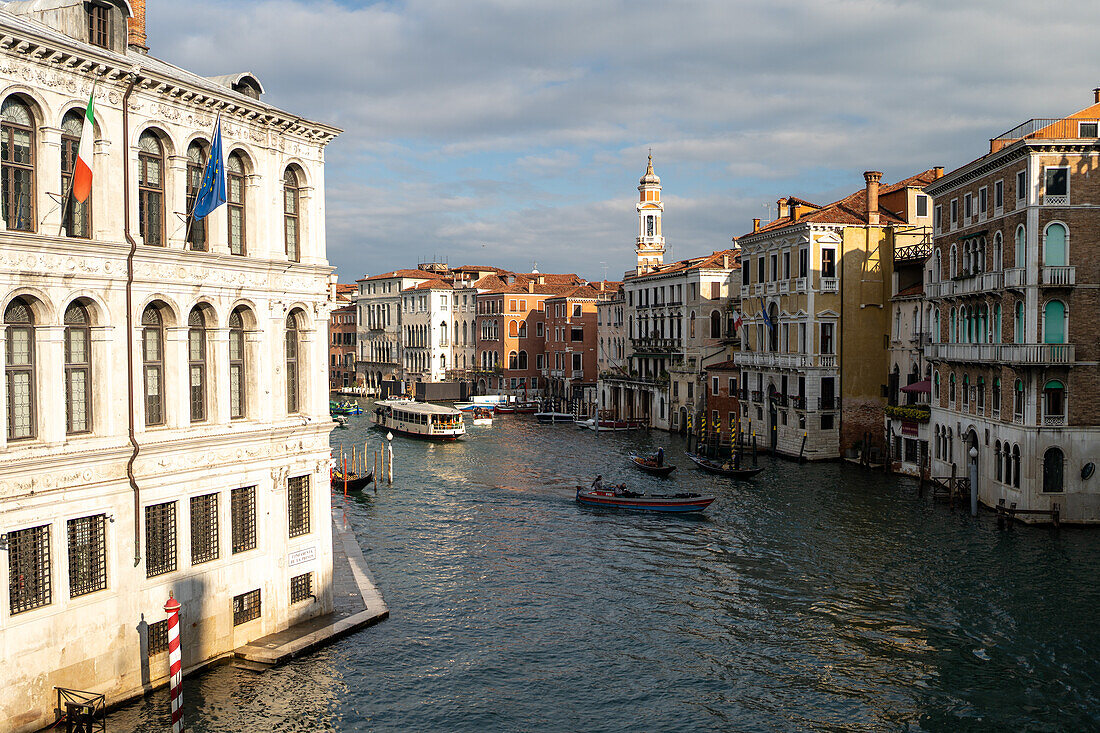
[[175, 663]]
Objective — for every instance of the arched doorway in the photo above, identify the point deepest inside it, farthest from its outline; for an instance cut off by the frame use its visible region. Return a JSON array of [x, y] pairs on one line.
[[683, 420], [1053, 460]]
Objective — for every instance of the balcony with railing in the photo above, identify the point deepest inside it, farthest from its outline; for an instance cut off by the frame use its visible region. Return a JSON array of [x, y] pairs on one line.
[[1014, 277], [798, 402], [800, 285], [758, 288], [1036, 354], [828, 403], [757, 395], [745, 290], [772, 287], [830, 284], [1047, 129], [912, 253], [784, 287], [655, 345], [1062, 276]]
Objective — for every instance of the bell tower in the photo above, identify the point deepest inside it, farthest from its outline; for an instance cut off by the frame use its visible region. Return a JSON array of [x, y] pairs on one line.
[[650, 244]]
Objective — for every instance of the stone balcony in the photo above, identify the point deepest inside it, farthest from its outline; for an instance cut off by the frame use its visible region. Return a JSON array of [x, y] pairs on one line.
[[1025, 354], [783, 361], [655, 345], [1064, 276]]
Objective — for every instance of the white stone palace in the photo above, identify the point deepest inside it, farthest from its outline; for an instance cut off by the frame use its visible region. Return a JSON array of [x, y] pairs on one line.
[[166, 423]]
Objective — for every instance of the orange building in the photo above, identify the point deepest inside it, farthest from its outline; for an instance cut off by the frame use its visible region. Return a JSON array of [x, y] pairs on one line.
[[342, 340], [571, 338]]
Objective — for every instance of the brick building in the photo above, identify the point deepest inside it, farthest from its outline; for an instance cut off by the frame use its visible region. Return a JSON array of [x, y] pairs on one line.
[[342, 340], [571, 345], [1014, 284]]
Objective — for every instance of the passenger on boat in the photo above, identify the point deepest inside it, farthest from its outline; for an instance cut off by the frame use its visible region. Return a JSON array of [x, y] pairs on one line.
[[620, 489], [597, 485], [660, 457]]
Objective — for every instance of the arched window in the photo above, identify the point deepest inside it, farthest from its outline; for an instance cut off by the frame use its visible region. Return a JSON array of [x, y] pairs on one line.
[[1054, 403], [293, 343], [998, 466], [936, 336], [76, 217], [954, 326], [1018, 406], [442, 333], [235, 203], [464, 339], [1008, 464], [937, 271], [1054, 246], [523, 329], [513, 360], [17, 164], [951, 388], [980, 392], [952, 262], [1016, 466], [19, 369], [997, 323], [966, 392], [513, 328], [1021, 245], [691, 325], [1054, 322], [78, 369], [196, 228], [522, 359], [716, 324], [997, 397], [151, 189], [291, 228], [936, 386], [196, 363], [998, 253], [1018, 336], [237, 375], [152, 358], [1053, 461]]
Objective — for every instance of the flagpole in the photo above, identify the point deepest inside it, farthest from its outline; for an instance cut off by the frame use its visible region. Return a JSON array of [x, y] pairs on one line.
[[72, 174], [191, 214]]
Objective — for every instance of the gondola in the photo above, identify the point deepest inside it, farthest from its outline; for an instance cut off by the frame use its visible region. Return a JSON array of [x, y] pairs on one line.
[[607, 498], [355, 481], [708, 465], [649, 465]]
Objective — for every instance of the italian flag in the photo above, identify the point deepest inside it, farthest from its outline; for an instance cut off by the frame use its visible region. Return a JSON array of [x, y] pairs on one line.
[[82, 176]]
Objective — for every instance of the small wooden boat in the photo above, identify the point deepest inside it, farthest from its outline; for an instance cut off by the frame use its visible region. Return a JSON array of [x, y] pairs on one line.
[[340, 420], [684, 502], [552, 417], [717, 468], [649, 465], [482, 416], [355, 481], [528, 408], [504, 409]]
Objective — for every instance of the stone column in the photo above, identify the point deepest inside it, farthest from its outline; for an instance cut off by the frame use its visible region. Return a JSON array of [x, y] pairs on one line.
[[177, 382], [103, 383], [175, 202], [50, 194], [217, 375]]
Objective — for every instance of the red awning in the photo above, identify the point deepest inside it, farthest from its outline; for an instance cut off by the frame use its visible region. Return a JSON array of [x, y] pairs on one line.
[[925, 385]]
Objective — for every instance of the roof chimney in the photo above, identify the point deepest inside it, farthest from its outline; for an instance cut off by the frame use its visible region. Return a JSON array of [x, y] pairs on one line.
[[755, 226], [1096, 95], [725, 261], [135, 26], [530, 286], [872, 178], [937, 172], [781, 204]]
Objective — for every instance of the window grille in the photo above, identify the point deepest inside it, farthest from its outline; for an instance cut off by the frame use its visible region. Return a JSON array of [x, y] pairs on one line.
[[150, 189], [152, 349], [17, 165], [301, 587], [20, 369], [204, 528], [246, 607], [196, 228], [298, 505], [87, 555], [243, 507], [196, 363], [76, 217], [29, 568], [160, 539], [99, 24], [158, 638], [78, 369], [237, 394]]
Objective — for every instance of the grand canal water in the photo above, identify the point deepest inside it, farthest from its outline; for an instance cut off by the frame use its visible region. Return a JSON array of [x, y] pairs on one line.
[[816, 597]]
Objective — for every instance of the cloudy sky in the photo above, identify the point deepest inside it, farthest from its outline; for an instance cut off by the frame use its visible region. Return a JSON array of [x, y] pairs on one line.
[[509, 132]]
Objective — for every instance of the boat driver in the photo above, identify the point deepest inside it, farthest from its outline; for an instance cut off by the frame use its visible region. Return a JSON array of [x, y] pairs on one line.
[[597, 485]]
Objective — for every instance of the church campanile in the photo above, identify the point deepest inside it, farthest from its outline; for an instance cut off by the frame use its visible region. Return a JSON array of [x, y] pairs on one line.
[[650, 244]]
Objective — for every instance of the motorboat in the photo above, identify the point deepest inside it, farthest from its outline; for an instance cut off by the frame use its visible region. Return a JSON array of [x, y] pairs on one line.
[[723, 469], [626, 499], [606, 425], [482, 416], [419, 419]]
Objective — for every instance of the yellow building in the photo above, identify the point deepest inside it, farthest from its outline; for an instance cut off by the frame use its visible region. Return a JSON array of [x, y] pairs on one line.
[[815, 295]]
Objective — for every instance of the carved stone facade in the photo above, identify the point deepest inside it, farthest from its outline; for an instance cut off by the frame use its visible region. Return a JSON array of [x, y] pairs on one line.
[[175, 420]]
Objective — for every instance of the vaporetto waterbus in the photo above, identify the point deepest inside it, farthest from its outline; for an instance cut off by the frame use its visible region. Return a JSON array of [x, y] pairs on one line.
[[419, 419]]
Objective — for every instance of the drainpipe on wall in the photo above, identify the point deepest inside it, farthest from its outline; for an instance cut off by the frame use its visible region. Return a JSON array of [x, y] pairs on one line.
[[130, 314]]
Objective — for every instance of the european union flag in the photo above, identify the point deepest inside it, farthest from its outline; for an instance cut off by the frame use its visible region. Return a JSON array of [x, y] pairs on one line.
[[212, 190]]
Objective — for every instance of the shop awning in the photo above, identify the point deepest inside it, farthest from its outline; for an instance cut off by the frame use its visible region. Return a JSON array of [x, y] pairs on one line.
[[925, 385]]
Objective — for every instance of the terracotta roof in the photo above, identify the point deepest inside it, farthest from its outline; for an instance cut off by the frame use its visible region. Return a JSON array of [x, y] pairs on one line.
[[346, 287], [405, 273], [479, 268], [917, 289], [804, 202], [711, 261], [852, 209], [430, 285], [725, 366], [551, 278], [920, 180]]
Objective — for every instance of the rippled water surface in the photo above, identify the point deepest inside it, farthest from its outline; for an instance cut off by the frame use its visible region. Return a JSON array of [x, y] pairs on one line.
[[815, 597]]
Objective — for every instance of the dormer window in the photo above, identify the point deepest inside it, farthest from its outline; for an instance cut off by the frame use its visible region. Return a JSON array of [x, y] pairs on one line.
[[99, 25]]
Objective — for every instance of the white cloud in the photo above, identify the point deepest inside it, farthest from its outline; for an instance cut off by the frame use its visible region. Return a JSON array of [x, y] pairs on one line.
[[522, 125]]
